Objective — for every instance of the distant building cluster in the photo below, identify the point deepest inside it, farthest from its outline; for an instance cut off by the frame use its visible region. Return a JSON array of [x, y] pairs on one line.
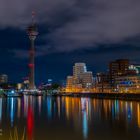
[[81, 79], [3, 79], [121, 77]]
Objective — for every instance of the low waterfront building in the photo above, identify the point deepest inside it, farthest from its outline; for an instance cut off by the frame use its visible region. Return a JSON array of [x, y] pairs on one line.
[[128, 84], [26, 83], [69, 85], [134, 68], [19, 86]]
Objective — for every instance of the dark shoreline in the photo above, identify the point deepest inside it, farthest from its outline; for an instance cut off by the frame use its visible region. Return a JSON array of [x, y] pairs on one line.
[[113, 96], [118, 96]]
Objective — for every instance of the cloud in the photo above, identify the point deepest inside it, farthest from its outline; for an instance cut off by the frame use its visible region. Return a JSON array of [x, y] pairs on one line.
[[21, 53], [104, 22], [18, 12], [76, 24]]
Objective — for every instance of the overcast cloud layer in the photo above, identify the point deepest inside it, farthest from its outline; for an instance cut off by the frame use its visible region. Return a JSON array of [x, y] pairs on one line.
[[75, 24]]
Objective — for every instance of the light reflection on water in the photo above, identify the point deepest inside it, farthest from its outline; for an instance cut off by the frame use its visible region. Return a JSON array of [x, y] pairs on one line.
[[84, 106], [0, 110], [70, 118]]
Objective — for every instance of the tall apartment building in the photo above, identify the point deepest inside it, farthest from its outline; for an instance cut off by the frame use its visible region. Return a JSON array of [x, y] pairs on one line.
[[118, 68], [78, 69]]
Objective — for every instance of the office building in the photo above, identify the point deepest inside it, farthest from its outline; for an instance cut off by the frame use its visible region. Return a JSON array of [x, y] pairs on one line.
[[87, 79], [118, 68], [102, 82], [81, 78]]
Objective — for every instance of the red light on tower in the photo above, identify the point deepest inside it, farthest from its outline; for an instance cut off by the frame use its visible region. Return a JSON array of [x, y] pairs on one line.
[[31, 65]]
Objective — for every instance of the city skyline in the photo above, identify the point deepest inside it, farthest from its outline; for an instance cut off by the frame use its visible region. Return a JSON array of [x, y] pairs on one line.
[[69, 69]]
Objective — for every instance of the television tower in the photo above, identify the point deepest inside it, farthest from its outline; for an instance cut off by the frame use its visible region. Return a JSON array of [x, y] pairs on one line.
[[32, 33]]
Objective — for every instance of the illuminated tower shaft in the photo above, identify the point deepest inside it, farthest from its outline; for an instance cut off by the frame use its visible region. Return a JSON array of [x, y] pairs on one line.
[[32, 33], [32, 66]]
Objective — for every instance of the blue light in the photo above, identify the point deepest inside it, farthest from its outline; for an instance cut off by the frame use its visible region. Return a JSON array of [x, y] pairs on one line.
[[12, 110], [12, 91], [0, 110], [49, 107], [85, 124], [129, 83]]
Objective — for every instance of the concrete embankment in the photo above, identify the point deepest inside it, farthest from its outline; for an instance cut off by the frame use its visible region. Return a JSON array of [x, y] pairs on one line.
[[121, 96]]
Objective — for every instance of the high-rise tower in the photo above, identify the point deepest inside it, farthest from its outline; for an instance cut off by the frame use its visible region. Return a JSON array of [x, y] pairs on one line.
[[78, 69], [32, 33]]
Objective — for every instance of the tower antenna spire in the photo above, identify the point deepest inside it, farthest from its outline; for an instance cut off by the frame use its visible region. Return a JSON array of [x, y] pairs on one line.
[[33, 17]]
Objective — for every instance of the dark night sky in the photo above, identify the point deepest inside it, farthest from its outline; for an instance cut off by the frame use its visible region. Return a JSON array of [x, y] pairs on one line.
[[91, 31]]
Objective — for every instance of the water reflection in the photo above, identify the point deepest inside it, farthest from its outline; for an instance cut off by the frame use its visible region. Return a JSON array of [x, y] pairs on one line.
[[49, 107], [0, 110], [19, 108], [30, 123], [39, 104], [85, 111], [11, 106], [29, 106], [138, 115], [81, 118]]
